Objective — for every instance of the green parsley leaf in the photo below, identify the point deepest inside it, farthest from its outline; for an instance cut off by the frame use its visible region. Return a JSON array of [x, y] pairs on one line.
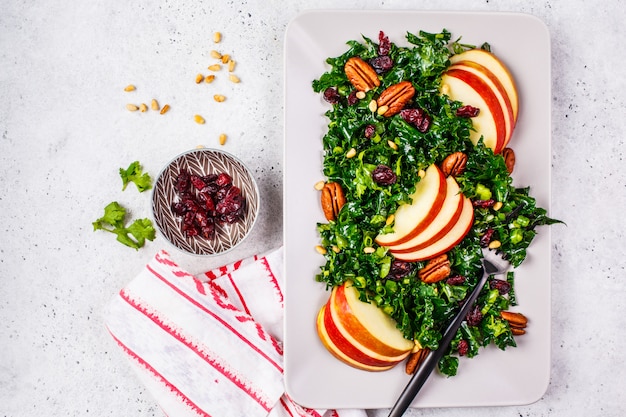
[[134, 174], [133, 236]]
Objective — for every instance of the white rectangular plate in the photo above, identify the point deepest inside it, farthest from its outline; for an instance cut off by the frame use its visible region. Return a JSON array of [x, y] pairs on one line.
[[313, 377]]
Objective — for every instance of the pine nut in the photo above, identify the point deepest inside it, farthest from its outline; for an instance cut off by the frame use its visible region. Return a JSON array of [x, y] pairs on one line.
[[129, 87], [494, 244], [199, 78], [233, 78], [217, 37], [231, 65], [392, 145], [222, 139], [225, 58], [154, 105], [219, 98], [390, 219], [360, 95], [372, 106], [215, 54], [319, 186], [143, 107], [198, 119], [215, 67], [497, 206], [336, 249], [382, 110], [369, 249], [320, 249], [351, 153], [132, 107], [165, 109], [209, 79], [421, 173]]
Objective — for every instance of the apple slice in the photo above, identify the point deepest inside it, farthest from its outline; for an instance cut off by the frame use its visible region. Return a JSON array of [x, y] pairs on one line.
[[497, 67], [447, 242], [443, 223], [498, 91], [413, 218], [338, 353], [466, 87]]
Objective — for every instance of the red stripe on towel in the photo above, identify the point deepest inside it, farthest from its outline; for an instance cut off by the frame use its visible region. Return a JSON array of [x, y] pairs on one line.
[[160, 377]]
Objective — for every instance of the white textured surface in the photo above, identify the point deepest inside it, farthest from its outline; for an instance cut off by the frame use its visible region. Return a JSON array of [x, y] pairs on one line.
[[65, 132]]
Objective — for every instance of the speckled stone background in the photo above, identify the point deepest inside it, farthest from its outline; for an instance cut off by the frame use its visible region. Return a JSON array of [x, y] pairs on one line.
[[65, 132]]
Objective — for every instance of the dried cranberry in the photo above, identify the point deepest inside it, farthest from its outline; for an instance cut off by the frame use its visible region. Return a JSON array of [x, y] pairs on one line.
[[370, 130], [486, 238], [209, 178], [231, 202], [501, 285], [384, 45], [331, 95], [455, 280], [474, 317], [383, 175], [207, 200], [223, 179], [467, 111], [352, 98], [381, 64], [197, 182], [399, 269], [463, 347], [484, 203], [416, 117], [182, 183]]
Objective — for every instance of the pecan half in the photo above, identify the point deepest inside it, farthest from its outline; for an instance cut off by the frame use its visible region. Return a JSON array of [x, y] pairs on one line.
[[415, 360], [509, 159], [454, 164], [435, 270], [361, 74], [517, 322], [396, 97], [332, 200]]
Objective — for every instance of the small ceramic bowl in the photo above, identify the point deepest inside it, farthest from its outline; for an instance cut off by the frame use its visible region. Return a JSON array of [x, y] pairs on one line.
[[204, 162]]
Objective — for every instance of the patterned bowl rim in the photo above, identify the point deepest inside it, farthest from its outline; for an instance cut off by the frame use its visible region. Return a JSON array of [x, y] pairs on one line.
[[227, 155]]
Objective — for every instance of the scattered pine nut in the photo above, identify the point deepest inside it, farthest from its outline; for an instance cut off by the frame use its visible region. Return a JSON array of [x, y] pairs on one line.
[[369, 249], [336, 249], [129, 87], [421, 173], [143, 107], [372, 106], [392, 145], [154, 105], [209, 79], [165, 109], [494, 244], [199, 146], [497, 206], [225, 58], [222, 139], [231, 65], [233, 78], [217, 37], [199, 78], [360, 95], [319, 186], [132, 107], [215, 67], [351, 153], [198, 119], [390, 219], [320, 249], [215, 54], [219, 98], [382, 110]]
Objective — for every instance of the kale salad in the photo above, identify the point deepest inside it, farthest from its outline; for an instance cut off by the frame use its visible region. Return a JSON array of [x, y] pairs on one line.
[[503, 213]]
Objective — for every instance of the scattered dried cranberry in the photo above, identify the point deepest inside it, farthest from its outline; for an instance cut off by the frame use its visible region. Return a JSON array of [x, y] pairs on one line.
[[381, 64], [501, 285], [486, 238], [352, 98], [331, 95], [399, 269], [455, 280], [467, 111], [463, 347], [212, 199], [383, 175], [484, 203], [370, 130], [416, 117], [384, 45], [474, 317]]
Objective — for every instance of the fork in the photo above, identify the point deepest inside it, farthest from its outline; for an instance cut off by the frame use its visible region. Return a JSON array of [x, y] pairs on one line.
[[490, 267]]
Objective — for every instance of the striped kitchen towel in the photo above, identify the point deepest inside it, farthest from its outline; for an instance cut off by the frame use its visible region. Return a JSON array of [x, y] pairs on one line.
[[209, 345]]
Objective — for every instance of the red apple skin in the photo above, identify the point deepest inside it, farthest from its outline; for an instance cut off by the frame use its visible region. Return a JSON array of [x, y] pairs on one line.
[[477, 84], [496, 87], [445, 224], [336, 352], [345, 317], [497, 67], [460, 230], [433, 210]]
